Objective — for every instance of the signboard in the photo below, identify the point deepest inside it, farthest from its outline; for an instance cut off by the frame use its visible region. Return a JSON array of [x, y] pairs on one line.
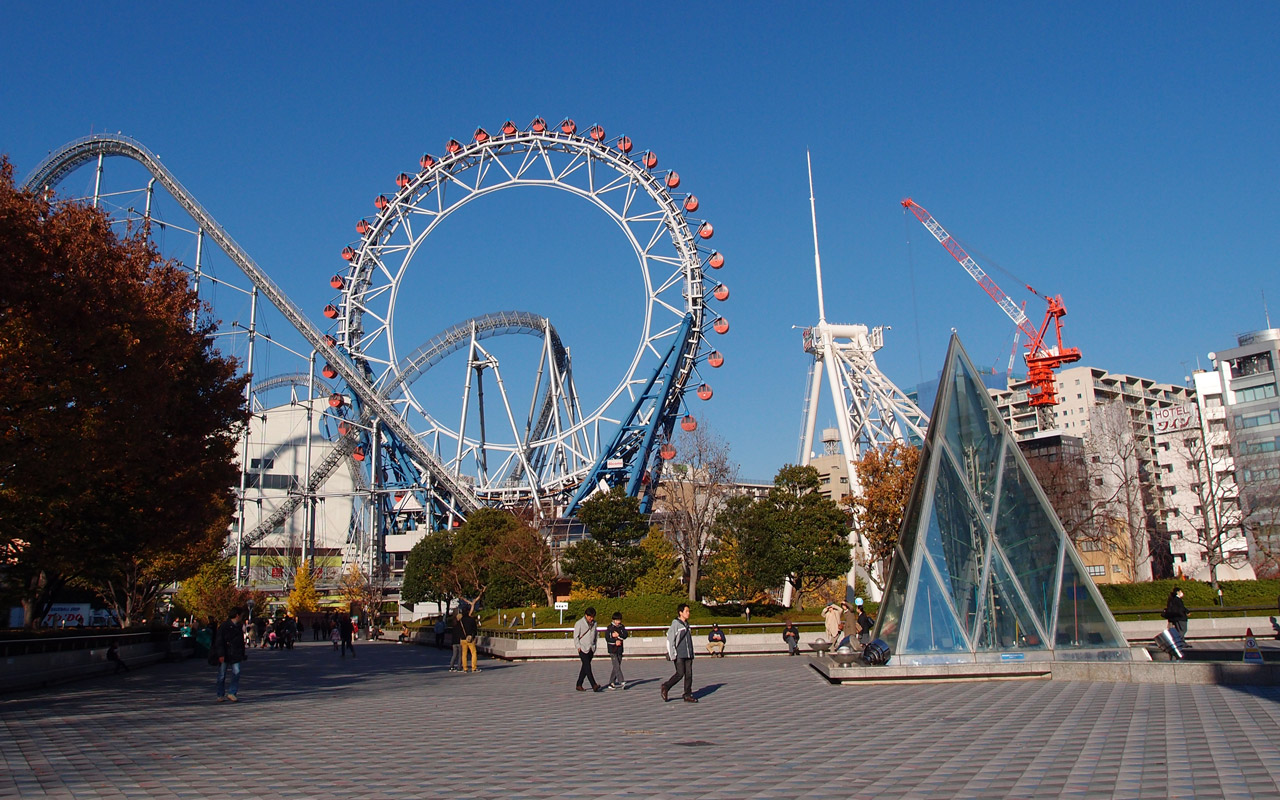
[[1174, 418], [66, 615], [562, 606]]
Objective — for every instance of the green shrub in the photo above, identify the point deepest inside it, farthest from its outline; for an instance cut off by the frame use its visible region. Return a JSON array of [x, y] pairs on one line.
[[1154, 594]]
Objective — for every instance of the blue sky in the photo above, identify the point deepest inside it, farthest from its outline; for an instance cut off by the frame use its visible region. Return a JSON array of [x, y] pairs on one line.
[[1122, 155]]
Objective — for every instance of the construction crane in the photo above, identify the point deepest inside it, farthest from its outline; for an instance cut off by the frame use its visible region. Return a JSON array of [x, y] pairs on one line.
[[1041, 359]]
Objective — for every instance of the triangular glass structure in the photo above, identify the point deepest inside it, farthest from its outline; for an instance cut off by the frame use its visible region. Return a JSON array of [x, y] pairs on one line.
[[983, 570]]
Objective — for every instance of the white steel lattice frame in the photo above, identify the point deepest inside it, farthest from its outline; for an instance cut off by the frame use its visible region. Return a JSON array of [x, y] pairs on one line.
[[655, 221]]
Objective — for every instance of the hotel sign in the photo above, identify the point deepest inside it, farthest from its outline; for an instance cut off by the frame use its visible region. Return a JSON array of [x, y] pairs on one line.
[[1174, 418]]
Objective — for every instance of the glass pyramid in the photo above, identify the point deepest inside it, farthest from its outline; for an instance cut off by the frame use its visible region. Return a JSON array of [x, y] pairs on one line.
[[983, 570]]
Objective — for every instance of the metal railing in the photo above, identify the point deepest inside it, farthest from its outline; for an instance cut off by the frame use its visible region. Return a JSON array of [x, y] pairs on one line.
[[58, 644], [739, 628]]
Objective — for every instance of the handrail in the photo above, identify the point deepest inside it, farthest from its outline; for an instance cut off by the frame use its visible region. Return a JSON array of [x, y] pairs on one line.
[[731, 627]]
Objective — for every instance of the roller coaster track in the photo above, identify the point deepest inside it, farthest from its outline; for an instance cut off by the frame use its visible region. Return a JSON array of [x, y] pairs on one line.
[[73, 155], [419, 361]]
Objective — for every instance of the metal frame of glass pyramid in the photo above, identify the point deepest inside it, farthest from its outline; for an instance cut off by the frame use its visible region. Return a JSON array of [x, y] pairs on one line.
[[983, 570]]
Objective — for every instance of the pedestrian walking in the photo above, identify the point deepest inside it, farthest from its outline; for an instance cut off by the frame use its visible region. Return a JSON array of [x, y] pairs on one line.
[[335, 637], [848, 625], [470, 630], [584, 639], [113, 655], [614, 635], [438, 630], [791, 635], [680, 652], [229, 647], [346, 630], [1176, 612]]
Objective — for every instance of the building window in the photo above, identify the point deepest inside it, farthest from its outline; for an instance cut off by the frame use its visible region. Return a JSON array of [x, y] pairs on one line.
[[1115, 568], [1256, 364], [1256, 393], [1213, 401], [1096, 570], [261, 463], [1090, 546], [1097, 481], [1255, 420]]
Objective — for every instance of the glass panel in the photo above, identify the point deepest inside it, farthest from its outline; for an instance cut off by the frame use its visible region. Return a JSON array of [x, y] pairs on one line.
[[895, 599], [932, 626], [956, 539], [1006, 624], [919, 491], [1029, 538], [1080, 622], [974, 432]]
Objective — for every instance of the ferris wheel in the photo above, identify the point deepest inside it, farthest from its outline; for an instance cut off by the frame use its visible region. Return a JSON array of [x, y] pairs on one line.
[[560, 452]]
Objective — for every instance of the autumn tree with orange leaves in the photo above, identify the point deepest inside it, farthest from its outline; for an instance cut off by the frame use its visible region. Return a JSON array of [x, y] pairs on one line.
[[886, 474], [118, 417]]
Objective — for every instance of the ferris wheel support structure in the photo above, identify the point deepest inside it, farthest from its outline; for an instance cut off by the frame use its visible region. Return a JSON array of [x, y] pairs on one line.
[[870, 410]]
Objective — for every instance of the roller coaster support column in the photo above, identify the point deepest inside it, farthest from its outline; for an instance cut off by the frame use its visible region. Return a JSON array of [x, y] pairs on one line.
[[242, 564], [309, 537], [633, 442]]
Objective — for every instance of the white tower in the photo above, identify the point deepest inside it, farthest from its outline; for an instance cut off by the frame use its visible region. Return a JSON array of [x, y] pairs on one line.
[[870, 410]]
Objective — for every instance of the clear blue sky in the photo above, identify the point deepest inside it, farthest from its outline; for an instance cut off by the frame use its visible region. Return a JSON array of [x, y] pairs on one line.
[[1123, 155]]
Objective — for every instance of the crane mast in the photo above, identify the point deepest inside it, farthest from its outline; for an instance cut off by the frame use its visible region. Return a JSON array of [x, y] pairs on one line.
[[1042, 360]]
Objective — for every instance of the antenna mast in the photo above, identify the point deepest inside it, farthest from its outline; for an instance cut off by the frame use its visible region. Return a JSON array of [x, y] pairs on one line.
[[817, 260]]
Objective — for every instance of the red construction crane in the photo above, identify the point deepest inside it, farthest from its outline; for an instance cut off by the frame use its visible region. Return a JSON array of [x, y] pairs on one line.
[[1041, 359]]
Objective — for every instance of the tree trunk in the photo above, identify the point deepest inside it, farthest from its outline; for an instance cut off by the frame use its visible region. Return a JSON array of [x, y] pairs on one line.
[[693, 580], [551, 598]]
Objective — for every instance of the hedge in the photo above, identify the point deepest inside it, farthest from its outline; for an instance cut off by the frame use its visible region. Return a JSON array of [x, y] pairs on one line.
[[1154, 594]]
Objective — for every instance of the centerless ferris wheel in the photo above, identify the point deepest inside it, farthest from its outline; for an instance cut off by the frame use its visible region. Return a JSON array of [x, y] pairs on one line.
[[546, 449]]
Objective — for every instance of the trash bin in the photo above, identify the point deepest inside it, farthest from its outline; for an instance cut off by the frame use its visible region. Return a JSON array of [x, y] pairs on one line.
[[1171, 642]]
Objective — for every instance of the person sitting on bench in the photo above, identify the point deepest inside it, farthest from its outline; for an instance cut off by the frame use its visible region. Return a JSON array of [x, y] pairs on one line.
[[715, 641]]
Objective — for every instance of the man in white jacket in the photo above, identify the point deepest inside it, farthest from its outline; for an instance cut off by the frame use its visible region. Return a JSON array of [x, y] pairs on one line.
[[584, 638], [680, 651]]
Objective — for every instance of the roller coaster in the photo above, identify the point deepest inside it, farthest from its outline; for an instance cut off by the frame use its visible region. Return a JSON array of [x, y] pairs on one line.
[[388, 425]]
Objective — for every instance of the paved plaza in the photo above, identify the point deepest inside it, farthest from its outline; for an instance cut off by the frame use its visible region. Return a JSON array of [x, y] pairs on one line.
[[394, 723]]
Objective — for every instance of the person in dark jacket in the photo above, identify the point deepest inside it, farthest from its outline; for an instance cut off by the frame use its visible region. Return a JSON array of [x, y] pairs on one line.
[[455, 635], [113, 655], [1176, 611], [613, 637], [715, 641], [470, 631], [346, 630], [791, 635], [229, 645]]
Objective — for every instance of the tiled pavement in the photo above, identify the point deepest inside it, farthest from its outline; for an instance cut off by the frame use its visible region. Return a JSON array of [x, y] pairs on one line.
[[394, 723]]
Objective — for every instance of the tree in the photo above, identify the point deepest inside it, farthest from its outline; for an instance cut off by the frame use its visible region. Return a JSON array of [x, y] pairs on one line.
[[886, 474], [692, 496], [811, 531], [424, 570], [743, 566], [304, 598], [611, 560], [527, 558], [363, 589], [475, 564], [662, 577], [210, 592], [119, 419]]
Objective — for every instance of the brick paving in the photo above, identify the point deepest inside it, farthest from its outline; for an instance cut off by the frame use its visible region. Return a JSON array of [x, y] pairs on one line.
[[394, 723]]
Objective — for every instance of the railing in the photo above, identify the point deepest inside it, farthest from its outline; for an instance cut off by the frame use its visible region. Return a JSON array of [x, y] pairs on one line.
[[59, 644], [729, 629], [1200, 612]]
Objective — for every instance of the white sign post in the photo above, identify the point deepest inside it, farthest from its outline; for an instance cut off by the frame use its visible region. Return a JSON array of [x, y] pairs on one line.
[[561, 606]]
